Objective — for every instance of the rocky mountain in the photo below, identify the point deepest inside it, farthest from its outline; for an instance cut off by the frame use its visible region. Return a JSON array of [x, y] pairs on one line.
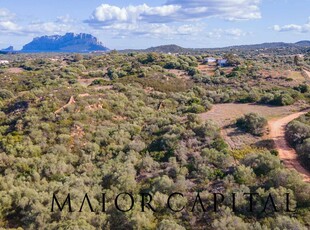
[[9, 50], [70, 42]]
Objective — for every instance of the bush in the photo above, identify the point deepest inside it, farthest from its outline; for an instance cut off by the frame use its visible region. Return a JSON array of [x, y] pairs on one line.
[[296, 132], [303, 88], [267, 98], [252, 123], [283, 99], [195, 108], [5, 94], [192, 71], [298, 135], [261, 163], [303, 151]]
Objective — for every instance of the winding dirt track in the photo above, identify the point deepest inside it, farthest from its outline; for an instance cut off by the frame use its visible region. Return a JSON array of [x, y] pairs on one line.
[[287, 154], [70, 102], [308, 73]]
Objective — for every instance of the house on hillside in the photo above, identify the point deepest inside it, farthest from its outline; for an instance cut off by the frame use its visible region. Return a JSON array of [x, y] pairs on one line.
[[209, 60], [222, 62], [4, 62]]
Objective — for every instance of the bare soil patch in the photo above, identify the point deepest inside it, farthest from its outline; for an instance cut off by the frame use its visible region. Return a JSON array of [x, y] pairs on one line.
[[207, 69], [15, 70], [296, 76], [103, 87], [86, 81], [179, 73]]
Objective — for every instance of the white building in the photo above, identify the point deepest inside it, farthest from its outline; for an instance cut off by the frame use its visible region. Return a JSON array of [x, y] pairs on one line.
[[222, 62], [209, 60], [4, 62]]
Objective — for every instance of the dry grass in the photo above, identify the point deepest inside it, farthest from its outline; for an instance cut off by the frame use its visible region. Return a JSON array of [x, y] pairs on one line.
[[295, 75], [179, 73], [86, 81], [14, 70], [207, 69]]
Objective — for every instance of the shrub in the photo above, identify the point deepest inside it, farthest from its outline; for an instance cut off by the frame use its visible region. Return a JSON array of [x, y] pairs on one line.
[[303, 151], [267, 98], [282, 100], [77, 57], [5, 94], [296, 132], [261, 163], [252, 123], [303, 88], [192, 71]]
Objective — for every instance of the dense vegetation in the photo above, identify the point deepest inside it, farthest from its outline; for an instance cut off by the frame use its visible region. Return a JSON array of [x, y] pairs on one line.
[[298, 134], [133, 127]]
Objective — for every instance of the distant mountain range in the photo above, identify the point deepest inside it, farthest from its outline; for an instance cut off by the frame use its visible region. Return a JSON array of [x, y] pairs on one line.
[[280, 47], [9, 50], [85, 43]]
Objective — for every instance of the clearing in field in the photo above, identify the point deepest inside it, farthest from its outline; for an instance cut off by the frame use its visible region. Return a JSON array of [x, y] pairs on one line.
[[296, 76], [14, 70], [224, 115], [207, 69]]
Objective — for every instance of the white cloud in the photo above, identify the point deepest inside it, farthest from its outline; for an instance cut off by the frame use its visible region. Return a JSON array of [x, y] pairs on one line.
[[64, 19], [107, 14], [6, 14], [6, 21], [305, 28], [233, 33], [167, 19], [175, 11], [9, 25], [227, 9], [154, 30], [47, 28]]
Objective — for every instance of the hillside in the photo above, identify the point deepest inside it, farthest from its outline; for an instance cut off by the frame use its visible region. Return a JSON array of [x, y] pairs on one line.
[[271, 47], [166, 49], [70, 42], [149, 123]]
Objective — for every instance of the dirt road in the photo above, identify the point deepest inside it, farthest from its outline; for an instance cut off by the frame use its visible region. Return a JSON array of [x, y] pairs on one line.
[[308, 73], [70, 102], [287, 154], [225, 114]]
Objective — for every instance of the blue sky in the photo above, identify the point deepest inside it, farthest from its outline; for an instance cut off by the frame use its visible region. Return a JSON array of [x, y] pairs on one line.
[[141, 24]]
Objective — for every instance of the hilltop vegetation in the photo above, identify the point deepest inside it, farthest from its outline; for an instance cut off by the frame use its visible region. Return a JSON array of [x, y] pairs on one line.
[[298, 134], [277, 48], [132, 125]]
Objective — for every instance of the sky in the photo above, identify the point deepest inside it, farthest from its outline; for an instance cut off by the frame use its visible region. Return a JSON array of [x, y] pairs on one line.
[[134, 24]]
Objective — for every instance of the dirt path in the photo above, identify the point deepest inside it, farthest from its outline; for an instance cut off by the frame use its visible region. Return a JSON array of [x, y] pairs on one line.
[[225, 114], [70, 102], [287, 154], [308, 73]]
